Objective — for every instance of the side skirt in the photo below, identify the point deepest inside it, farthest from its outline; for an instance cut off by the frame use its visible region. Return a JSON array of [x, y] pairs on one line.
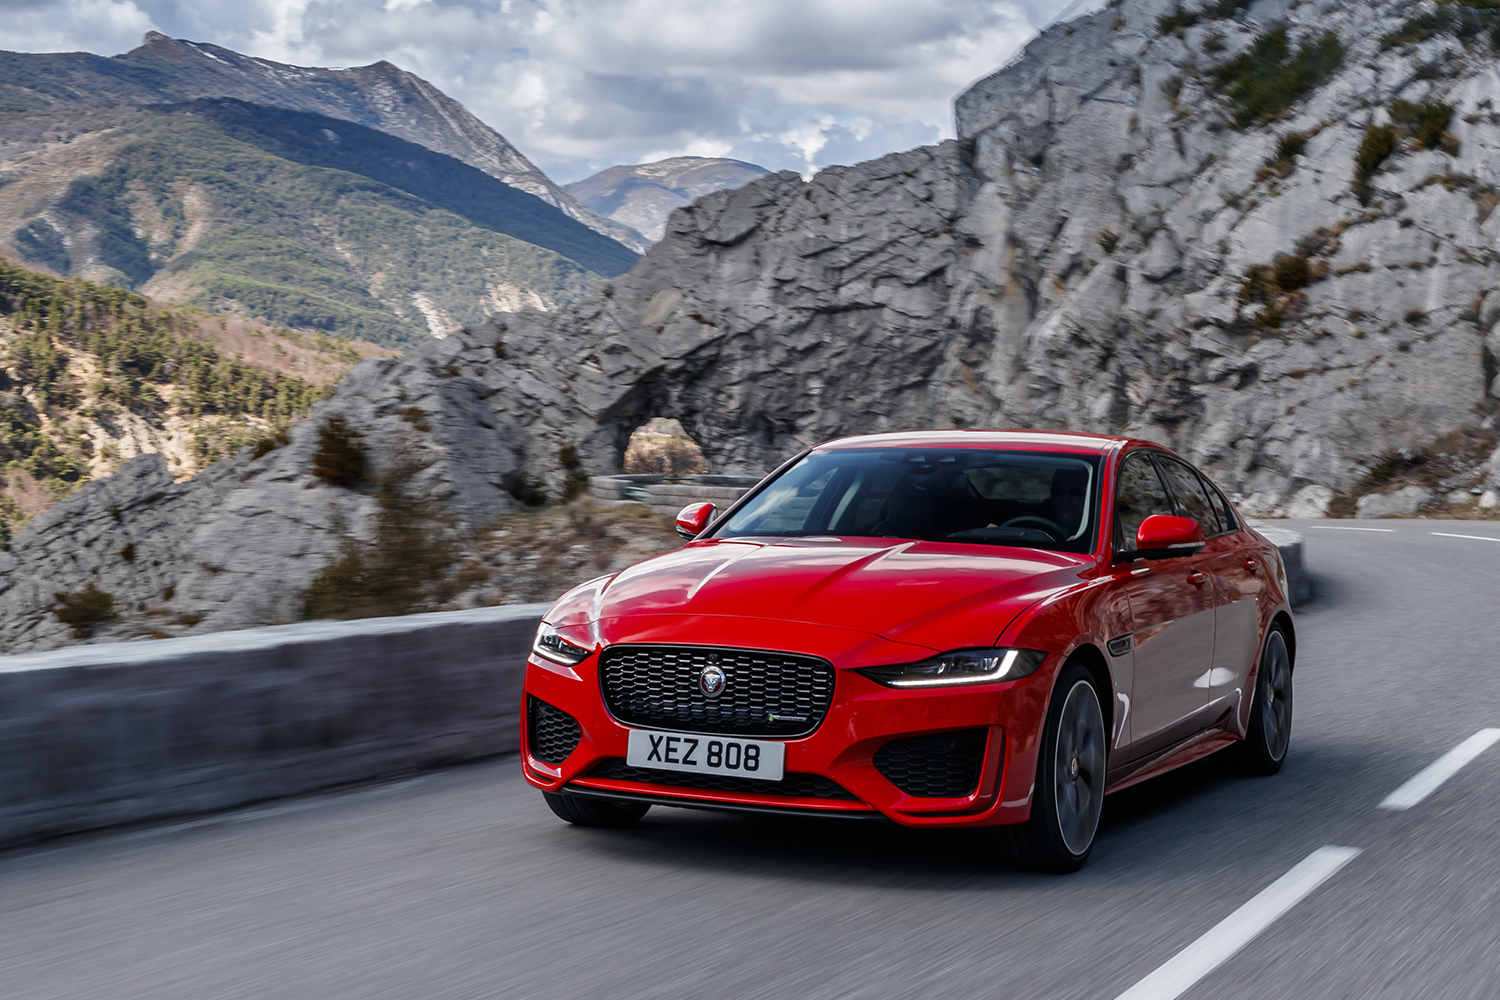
[[1194, 747]]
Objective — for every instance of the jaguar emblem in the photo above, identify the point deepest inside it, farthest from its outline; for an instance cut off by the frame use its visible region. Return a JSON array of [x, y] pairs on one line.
[[711, 680]]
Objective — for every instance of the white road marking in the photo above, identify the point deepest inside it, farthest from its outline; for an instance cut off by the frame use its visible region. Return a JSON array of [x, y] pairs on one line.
[[1241, 927], [1477, 538], [1340, 527], [1430, 778]]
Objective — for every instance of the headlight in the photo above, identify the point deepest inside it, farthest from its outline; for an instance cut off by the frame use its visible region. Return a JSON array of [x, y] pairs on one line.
[[962, 666], [554, 647]]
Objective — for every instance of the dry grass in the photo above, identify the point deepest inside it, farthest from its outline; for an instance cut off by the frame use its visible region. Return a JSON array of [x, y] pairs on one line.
[[538, 554]]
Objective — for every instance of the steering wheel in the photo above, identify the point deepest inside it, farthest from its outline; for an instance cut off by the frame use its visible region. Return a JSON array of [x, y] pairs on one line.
[[1057, 531]]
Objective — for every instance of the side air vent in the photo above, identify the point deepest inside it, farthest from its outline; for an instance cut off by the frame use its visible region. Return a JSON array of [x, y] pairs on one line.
[[553, 733], [936, 766]]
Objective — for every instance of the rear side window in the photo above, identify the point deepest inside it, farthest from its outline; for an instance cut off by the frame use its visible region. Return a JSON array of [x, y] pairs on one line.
[[1191, 498], [1138, 496]]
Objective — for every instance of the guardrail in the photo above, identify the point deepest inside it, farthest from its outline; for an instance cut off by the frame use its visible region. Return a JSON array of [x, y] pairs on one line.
[[93, 736], [667, 496]]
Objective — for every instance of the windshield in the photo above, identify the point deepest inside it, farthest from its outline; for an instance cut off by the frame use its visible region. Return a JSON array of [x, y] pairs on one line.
[[992, 497]]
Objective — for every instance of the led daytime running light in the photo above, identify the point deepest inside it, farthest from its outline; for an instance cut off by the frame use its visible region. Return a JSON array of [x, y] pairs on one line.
[[551, 646], [962, 666]]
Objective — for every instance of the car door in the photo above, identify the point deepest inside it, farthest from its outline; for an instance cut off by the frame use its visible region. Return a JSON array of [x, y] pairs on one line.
[[1229, 560], [1172, 618]]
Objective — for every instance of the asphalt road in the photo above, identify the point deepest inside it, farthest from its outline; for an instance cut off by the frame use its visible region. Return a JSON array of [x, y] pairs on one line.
[[462, 884]]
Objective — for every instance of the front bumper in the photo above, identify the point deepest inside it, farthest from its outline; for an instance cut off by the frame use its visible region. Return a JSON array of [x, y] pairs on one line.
[[862, 717]]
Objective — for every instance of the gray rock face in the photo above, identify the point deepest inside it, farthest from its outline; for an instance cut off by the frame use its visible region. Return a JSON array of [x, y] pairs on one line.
[[1407, 500], [1076, 259]]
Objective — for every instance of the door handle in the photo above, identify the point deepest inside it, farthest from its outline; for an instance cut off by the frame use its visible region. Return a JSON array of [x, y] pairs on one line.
[[1252, 565], [1198, 578]]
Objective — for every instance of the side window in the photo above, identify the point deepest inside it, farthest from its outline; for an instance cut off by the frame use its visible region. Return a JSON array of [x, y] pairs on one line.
[[1189, 495], [1138, 496], [1226, 516]]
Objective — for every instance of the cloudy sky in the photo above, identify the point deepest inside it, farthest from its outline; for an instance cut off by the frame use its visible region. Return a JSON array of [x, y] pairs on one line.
[[579, 85]]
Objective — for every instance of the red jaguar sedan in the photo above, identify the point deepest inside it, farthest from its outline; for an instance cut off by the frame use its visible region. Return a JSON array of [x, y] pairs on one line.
[[945, 628]]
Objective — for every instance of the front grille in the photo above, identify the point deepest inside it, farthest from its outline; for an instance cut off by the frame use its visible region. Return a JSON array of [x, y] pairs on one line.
[[553, 733], [765, 694], [793, 783], [937, 766]]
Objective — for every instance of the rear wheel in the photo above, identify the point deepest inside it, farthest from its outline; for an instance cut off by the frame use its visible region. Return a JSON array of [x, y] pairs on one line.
[[1264, 748], [604, 813], [1069, 782]]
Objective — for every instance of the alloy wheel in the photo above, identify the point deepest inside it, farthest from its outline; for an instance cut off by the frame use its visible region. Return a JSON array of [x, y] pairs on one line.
[[1276, 690], [1078, 771]]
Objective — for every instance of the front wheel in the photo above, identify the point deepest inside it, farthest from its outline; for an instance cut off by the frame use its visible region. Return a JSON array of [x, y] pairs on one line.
[[1264, 748], [595, 812], [1069, 785]]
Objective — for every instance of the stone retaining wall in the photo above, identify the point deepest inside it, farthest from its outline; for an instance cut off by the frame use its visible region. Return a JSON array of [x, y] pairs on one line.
[[92, 736]]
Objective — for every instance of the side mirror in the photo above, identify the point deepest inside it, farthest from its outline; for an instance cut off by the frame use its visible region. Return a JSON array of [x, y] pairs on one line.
[[1162, 536], [692, 519]]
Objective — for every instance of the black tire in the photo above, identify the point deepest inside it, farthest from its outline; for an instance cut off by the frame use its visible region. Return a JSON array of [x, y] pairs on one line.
[[1264, 748], [1070, 776], [605, 813]]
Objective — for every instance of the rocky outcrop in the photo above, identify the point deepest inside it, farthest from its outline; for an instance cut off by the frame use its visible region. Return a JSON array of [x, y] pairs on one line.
[[1109, 246]]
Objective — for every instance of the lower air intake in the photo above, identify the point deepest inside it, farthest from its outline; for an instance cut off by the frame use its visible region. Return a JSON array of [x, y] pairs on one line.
[[553, 733], [935, 766]]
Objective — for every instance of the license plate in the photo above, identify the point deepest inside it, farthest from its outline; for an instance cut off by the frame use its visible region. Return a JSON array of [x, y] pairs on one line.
[[762, 759]]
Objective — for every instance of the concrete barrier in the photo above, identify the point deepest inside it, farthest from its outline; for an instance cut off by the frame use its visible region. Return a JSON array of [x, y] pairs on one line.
[[1289, 544], [92, 736]]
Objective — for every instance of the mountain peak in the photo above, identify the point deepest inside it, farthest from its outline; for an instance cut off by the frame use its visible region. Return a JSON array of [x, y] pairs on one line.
[[643, 195]]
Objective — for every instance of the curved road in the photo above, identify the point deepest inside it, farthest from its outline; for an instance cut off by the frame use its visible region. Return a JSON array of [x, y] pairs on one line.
[[462, 884]]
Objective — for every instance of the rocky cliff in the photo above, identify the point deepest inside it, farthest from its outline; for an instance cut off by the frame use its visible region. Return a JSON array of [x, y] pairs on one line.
[[1262, 235]]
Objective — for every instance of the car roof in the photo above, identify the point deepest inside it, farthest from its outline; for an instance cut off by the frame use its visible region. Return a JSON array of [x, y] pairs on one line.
[[1067, 441]]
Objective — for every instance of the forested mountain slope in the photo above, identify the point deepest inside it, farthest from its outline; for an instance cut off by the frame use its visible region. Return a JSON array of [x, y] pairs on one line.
[[91, 376], [299, 219], [381, 96]]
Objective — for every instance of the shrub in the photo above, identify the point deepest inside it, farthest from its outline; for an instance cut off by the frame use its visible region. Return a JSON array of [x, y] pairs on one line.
[[1108, 240], [1267, 80], [1290, 146], [340, 458], [1379, 142], [576, 482], [1292, 272], [396, 572], [84, 609], [266, 445]]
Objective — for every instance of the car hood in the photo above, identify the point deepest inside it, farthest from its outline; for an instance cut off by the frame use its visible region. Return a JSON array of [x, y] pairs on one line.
[[937, 595]]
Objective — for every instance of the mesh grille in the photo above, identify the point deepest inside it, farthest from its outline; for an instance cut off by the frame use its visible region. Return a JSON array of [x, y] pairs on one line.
[[802, 786], [554, 733], [765, 694], [937, 766]]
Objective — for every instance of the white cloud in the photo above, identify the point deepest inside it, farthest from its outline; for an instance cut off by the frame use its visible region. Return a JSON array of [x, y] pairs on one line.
[[583, 84], [106, 26]]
